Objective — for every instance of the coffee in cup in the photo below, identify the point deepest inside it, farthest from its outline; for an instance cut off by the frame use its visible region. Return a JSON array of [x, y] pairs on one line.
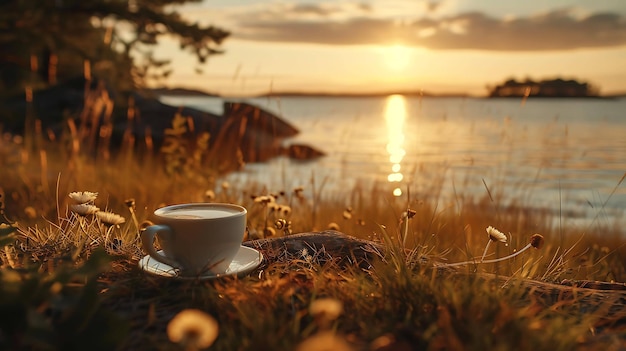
[[196, 238]]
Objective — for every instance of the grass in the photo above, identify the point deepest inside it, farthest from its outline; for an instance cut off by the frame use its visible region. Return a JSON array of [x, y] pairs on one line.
[[71, 281]]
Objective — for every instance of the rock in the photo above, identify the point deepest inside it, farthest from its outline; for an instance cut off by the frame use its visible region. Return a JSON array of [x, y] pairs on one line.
[[259, 120], [49, 105], [302, 152], [324, 246], [154, 117], [250, 133]]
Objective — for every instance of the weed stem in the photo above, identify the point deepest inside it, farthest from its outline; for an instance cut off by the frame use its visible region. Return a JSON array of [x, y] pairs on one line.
[[482, 259], [486, 261]]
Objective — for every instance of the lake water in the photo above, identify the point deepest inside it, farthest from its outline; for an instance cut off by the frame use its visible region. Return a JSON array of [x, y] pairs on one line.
[[564, 155]]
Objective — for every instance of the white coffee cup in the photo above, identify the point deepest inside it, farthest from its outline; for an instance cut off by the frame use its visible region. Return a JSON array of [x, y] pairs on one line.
[[196, 238]]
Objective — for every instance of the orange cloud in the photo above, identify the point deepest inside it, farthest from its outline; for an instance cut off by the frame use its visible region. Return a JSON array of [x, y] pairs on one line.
[[555, 30]]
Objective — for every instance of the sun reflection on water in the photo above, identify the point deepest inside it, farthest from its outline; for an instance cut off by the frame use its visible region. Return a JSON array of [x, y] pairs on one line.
[[395, 116]]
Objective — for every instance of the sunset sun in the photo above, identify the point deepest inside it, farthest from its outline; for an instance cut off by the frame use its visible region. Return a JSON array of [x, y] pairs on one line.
[[396, 57]]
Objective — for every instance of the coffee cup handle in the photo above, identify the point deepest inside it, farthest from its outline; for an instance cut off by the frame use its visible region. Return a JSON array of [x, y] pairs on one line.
[[147, 242]]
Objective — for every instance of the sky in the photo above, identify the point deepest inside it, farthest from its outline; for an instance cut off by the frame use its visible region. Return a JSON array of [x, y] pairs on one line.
[[435, 46]]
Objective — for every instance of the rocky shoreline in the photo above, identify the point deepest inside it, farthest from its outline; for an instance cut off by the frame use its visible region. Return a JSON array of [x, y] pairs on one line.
[[244, 131]]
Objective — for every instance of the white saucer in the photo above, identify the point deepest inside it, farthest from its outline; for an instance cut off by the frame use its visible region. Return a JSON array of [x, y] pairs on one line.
[[246, 260]]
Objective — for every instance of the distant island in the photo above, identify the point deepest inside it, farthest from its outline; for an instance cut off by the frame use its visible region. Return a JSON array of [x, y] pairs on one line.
[[552, 88], [544, 88]]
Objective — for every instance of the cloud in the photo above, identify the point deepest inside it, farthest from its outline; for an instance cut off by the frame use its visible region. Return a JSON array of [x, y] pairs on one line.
[[559, 29]]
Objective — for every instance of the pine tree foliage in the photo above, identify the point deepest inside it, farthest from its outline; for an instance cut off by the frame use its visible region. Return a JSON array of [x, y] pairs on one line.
[[43, 42]]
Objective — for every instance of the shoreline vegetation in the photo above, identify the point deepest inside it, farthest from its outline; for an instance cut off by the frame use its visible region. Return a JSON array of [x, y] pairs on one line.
[[242, 133], [511, 88], [468, 274]]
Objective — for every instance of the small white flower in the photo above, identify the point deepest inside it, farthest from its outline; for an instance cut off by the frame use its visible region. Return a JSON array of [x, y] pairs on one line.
[[536, 241], [324, 341], [84, 209], [333, 226], [304, 252], [83, 197], [273, 207], [496, 235], [110, 218], [265, 200], [209, 194], [298, 192], [193, 329], [30, 212], [409, 213], [281, 224], [286, 210], [327, 309], [269, 232]]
